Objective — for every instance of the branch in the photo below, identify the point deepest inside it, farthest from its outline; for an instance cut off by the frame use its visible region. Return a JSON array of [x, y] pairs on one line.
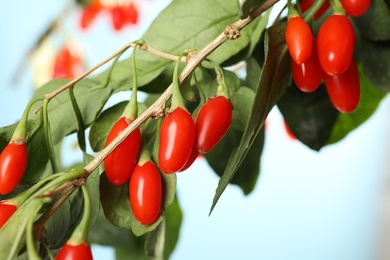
[[70, 84], [231, 32]]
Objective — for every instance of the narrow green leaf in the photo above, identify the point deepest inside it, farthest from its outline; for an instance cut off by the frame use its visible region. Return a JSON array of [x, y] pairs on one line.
[[274, 78], [248, 172], [80, 121], [242, 101], [253, 71]]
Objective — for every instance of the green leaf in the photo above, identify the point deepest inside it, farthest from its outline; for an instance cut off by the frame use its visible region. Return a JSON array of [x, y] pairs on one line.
[[374, 23], [253, 72], [248, 172], [369, 101], [242, 101], [106, 234], [274, 78], [173, 219], [57, 227], [90, 97], [162, 241], [245, 6], [376, 63], [154, 245], [126, 253], [310, 116]]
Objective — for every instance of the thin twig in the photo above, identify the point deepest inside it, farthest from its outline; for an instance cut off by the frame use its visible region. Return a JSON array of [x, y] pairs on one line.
[[231, 32], [67, 191], [70, 84]]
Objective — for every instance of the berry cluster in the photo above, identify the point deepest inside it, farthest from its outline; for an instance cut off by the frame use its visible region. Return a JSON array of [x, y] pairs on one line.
[[122, 13], [330, 56], [180, 142]]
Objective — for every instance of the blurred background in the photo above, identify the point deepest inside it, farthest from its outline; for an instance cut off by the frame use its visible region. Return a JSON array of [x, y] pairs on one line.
[[325, 205]]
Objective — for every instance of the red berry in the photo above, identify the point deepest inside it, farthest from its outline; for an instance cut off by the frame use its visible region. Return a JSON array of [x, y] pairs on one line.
[[119, 164], [299, 39], [356, 8], [72, 252], [335, 44], [212, 122], [194, 154], [67, 64], [131, 13], [118, 15], [89, 13], [344, 90], [145, 193], [308, 75], [6, 211], [13, 163], [177, 137], [306, 4]]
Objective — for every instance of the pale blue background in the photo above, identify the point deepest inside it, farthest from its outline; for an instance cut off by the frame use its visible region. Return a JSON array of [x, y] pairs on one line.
[[306, 205]]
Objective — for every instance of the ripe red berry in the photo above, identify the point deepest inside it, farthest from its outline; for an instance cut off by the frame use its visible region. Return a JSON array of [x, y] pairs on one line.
[[118, 15], [89, 13], [344, 90], [145, 193], [119, 164], [6, 211], [13, 163], [194, 154], [299, 39], [306, 4], [308, 75], [335, 44], [212, 122], [177, 137], [131, 13], [71, 252], [356, 8]]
